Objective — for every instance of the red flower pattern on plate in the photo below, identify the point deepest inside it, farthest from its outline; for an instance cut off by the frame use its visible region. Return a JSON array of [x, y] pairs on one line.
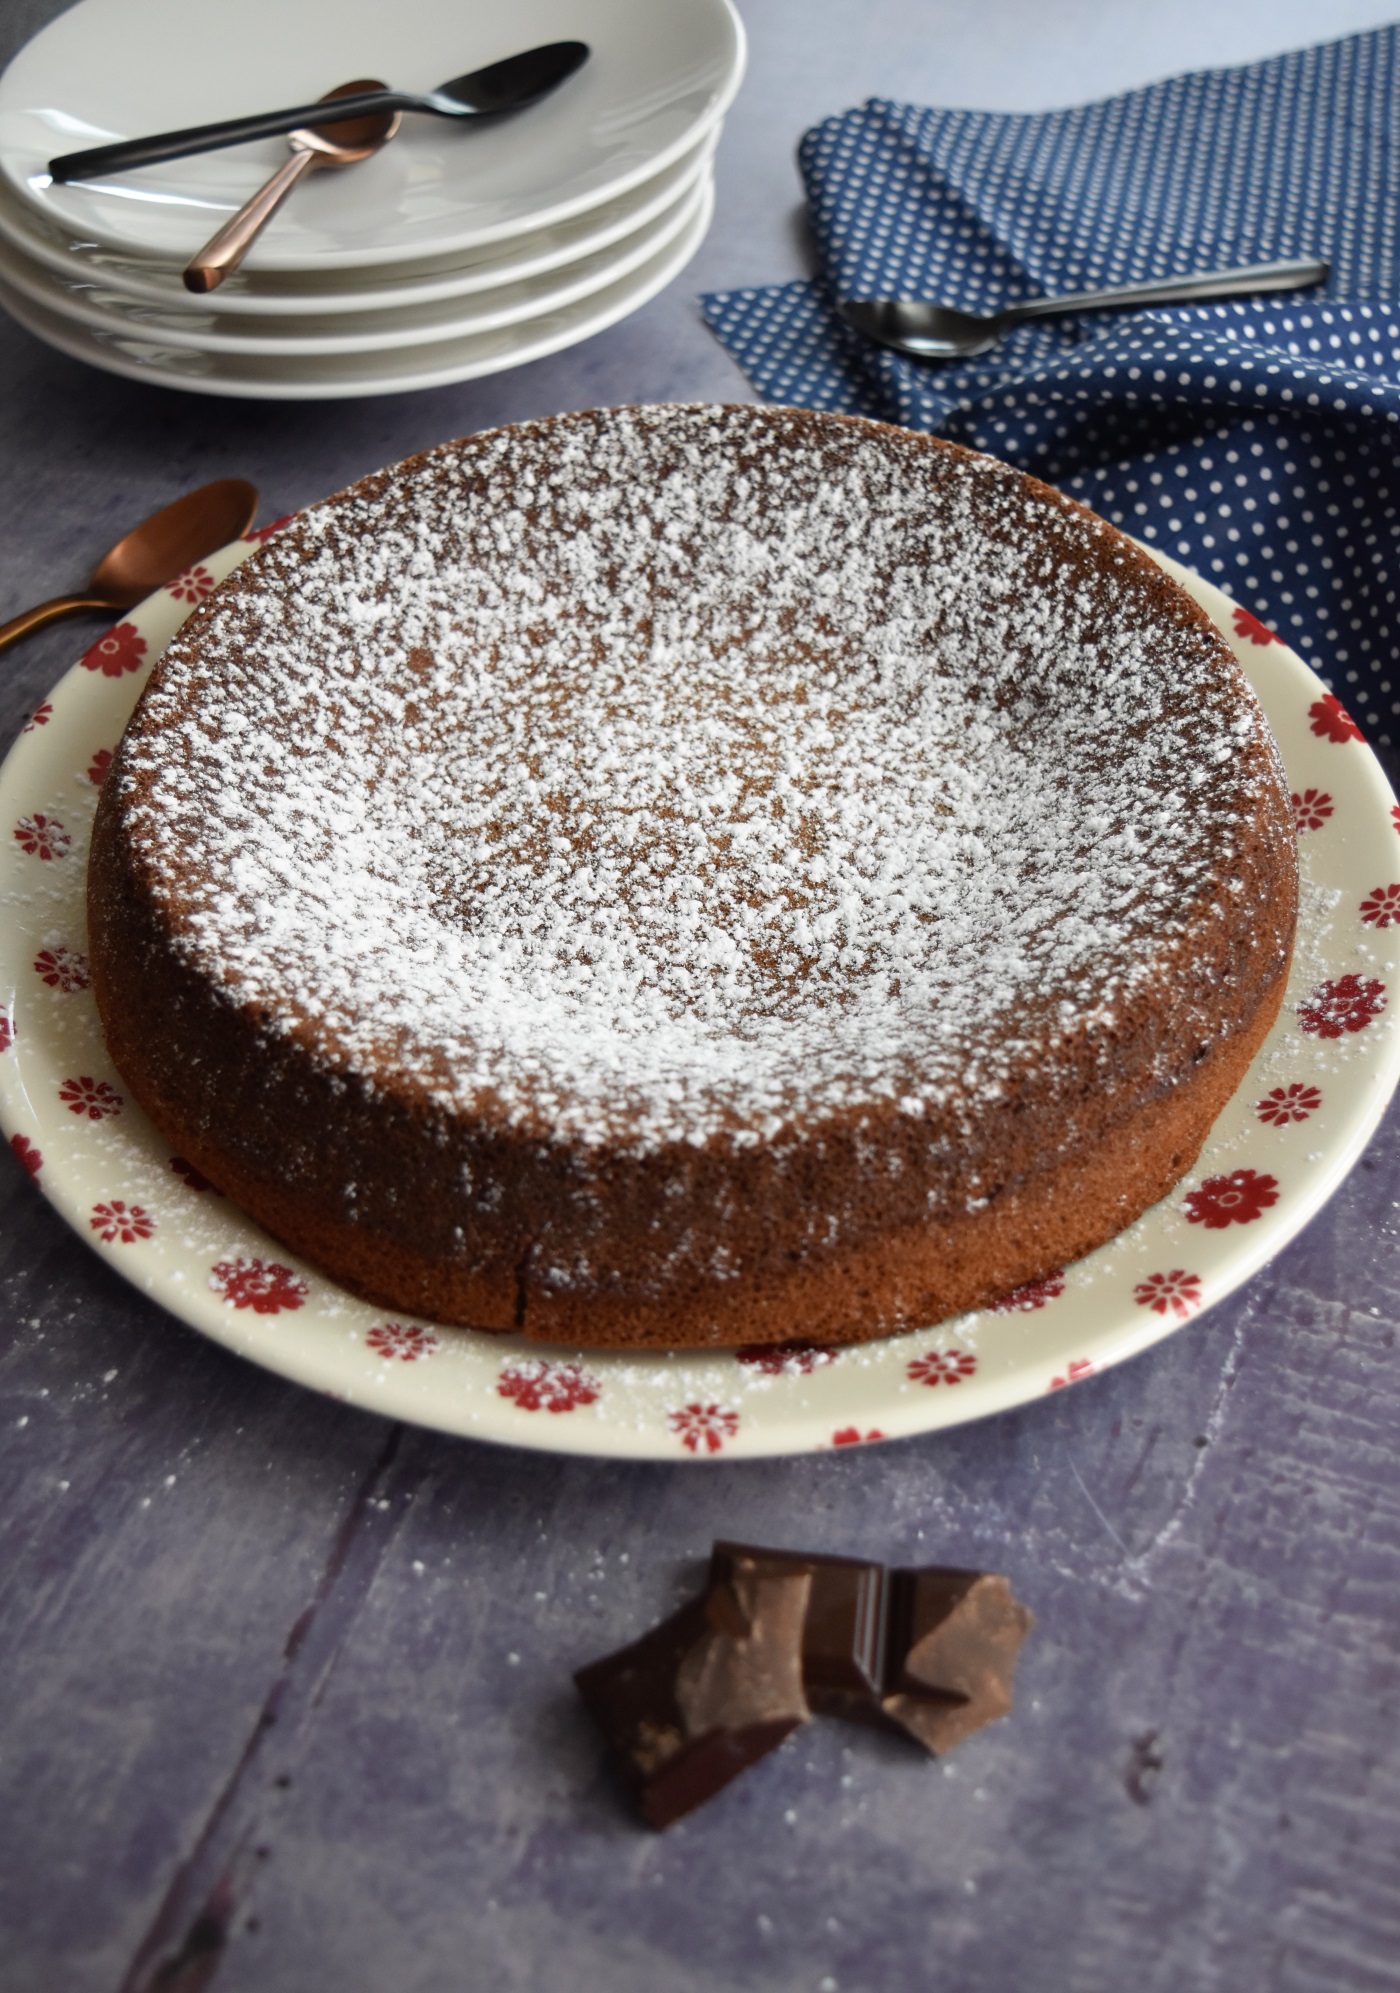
[[192, 584], [192, 1178], [853, 1436], [1381, 907], [118, 1222], [264, 1285], [63, 969], [122, 649], [1174, 1293], [1033, 1294], [42, 837], [703, 1428], [404, 1340], [1283, 1105], [261, 533], [1236, 1199], [26, 1153], [1331, 720], [1395, 815], [1251, 627], [40, 717], [1347, 1004], [98, 766], [793, 1359], [537, 1386], [1311, 809], [94, 1098], [7, 1031], [1075, 1373], [942, 1366]]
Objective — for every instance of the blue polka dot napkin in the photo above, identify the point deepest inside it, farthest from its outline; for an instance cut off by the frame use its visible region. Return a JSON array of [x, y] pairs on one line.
[[1255, 441]]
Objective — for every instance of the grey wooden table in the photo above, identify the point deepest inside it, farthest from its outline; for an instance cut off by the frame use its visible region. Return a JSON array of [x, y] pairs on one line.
[[286, 1697]]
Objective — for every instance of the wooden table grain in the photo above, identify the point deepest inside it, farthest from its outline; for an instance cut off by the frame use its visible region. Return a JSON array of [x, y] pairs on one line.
[[285, 1688]]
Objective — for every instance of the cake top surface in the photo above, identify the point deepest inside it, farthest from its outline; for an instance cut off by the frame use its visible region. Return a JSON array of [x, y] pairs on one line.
[[679, 774]]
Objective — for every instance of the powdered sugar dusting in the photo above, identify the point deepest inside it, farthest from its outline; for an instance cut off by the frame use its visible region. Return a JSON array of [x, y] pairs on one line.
[[672, 775]]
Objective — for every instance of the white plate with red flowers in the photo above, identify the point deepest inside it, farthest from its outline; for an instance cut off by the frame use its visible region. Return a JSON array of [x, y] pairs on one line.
[[1308, 1105]]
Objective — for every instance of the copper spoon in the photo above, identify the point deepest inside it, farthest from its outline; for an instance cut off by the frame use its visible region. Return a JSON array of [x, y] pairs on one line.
[[161, 547], [331, 144]]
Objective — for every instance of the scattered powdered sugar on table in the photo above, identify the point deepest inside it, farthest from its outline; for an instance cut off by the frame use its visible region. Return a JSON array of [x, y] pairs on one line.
[[668, 774]]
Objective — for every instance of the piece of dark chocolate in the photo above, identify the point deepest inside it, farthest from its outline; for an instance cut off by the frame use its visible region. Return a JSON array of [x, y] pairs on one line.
[[708, 1692], [843, 1639], [931, 1651], [952, 1645]]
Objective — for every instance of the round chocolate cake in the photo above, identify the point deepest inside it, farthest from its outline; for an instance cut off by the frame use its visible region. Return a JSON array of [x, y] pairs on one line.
[[682, 876]]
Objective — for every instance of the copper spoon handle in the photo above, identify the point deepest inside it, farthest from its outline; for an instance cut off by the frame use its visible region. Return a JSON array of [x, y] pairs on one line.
[[48, 612], [223, 252]]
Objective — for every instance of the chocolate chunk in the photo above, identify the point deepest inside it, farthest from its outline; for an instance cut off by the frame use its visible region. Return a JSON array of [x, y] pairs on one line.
[[931, 1651], [843, 1640], [953, 1641], [723, 1681], [708, 1692]]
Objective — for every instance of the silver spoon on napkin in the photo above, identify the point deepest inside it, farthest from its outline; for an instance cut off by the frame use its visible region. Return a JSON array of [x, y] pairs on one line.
[[937, 332], [508, 85]]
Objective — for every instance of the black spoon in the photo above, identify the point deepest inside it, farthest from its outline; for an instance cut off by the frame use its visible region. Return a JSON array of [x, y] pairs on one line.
[[502, 86]]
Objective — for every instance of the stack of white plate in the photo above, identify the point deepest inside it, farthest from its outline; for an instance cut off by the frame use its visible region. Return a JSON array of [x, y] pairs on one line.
[[460, 249]]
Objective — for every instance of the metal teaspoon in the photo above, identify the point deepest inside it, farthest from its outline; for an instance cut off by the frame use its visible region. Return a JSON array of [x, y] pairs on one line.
[[937, 332], [176, 537], [339, 142], [508, 85]]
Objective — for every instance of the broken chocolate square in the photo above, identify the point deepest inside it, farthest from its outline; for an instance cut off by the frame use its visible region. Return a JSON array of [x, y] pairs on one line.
[[707, 1693], [953, 1641], [843, 1639]]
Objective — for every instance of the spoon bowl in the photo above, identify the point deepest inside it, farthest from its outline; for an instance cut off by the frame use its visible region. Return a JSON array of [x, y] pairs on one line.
[[180, 535], [924, 331], [344, 141], [502, 86]]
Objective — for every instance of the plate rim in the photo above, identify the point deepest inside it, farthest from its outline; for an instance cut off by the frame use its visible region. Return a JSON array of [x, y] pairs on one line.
[[623, 258], [653, 278], [454, 280]]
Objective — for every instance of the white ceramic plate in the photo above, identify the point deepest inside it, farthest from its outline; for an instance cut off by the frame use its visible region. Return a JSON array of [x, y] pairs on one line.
[[661, 73], [96, 308], [1281, 1147], [260, 295], [330, 377]]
